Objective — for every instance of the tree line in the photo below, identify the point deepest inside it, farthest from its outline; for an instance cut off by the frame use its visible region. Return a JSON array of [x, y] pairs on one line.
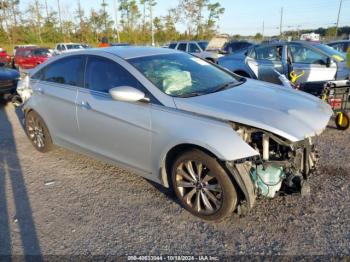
[[132, 21]]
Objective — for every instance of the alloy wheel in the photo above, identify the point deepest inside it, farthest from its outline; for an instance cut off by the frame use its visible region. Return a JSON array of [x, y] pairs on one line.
[[198, 187], [36, 132]]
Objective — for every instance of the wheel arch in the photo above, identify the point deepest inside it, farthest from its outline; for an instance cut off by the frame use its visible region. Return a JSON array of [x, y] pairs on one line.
[[176, 150]]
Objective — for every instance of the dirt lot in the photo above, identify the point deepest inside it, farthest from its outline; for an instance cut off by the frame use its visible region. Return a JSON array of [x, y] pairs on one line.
[[66, 203]]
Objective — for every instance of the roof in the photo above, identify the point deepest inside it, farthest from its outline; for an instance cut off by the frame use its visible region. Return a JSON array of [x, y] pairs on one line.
[[128, 52]]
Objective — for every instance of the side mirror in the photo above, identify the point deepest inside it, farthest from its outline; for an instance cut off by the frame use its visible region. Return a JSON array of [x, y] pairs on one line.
[[127, 94], [328, 62]]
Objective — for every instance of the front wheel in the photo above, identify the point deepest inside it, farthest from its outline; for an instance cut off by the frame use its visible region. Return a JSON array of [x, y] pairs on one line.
[[342, 121], [203, 186], [37, 132]]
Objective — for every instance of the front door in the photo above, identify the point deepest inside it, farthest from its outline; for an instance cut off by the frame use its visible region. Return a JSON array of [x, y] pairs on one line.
[[265, 60], [119, 131], [314, 65]]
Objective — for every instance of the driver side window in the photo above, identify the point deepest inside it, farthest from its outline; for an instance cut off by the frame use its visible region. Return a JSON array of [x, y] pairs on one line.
[[103, 74], [304, 55]]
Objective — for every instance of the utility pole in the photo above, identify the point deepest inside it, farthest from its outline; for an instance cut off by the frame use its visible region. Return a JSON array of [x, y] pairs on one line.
[[116, 19], [336, 28], [104, 14], [281, 22], [60, 17], [263, 30], [151, 17]]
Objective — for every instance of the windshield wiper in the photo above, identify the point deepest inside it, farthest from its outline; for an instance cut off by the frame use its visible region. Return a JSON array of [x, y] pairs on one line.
[[191, 94], [226, 86]]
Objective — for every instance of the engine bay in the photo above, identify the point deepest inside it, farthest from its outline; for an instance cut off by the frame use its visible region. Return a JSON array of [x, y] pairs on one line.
[[282, 166]]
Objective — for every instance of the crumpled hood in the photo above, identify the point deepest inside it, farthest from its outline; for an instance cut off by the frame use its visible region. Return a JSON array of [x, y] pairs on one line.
[[288, 113]]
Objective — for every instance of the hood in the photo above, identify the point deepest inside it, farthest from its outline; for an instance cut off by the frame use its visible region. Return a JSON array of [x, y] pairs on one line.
[[288, 113], [8, 74]]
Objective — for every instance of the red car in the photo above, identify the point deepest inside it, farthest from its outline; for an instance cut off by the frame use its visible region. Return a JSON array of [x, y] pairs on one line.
[[4, 57], [30, 57]]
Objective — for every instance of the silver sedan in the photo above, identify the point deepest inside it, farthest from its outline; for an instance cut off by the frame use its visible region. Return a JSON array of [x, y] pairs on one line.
[[217, 139]]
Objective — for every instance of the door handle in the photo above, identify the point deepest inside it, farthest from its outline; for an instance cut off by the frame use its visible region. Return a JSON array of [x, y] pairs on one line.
[[85, 105]]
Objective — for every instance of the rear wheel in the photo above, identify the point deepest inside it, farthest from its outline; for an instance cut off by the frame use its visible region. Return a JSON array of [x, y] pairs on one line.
[[342, 121], [203, 186], [37, 132]]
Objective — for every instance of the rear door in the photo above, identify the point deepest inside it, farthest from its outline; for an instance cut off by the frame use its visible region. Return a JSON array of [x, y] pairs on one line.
[[117, 130], [56, 88], [265, 60], [315, 65]]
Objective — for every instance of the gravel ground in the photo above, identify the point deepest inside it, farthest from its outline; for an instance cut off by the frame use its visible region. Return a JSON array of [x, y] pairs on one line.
[[63, 203]]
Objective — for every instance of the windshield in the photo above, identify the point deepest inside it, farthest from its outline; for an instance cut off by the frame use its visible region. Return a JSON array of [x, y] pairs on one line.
[[203, 44], [183, 75], [331, 52], [74, 46]]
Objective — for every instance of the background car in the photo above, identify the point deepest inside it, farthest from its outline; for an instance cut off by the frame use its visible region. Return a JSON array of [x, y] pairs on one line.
[[341, 46], [234, 46], [5, 58], [8, 81], [30, 57], [318, 62], [22, 46], [194, 48], [67, 47], [177, 120], [119, 44]]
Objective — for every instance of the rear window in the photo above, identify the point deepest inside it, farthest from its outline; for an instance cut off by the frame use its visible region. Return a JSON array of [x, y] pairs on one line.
[[40, 52], [172, 46], [74, 46]]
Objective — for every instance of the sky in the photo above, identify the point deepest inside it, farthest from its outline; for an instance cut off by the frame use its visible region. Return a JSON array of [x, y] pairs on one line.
[[246, 17]]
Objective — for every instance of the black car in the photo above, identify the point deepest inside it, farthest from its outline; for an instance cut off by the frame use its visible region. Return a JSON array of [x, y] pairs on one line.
[[234, 46], [341, 46], [8, 81]]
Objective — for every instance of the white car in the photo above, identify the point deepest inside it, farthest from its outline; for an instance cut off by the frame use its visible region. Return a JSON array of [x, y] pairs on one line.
[[196, 48], [67, 47]]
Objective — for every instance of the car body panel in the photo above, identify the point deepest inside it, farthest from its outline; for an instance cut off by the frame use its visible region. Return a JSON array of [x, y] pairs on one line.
[[287, 113], [139, 135]]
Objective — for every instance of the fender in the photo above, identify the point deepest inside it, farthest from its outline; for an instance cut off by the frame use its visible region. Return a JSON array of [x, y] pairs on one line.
[[216, 136]]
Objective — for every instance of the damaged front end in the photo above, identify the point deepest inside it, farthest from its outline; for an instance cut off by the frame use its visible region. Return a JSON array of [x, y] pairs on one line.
[[281, 166]]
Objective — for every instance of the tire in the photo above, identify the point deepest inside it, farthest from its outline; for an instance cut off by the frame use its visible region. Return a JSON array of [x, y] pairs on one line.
[[207, 191], [38, 132], [342, 121]]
